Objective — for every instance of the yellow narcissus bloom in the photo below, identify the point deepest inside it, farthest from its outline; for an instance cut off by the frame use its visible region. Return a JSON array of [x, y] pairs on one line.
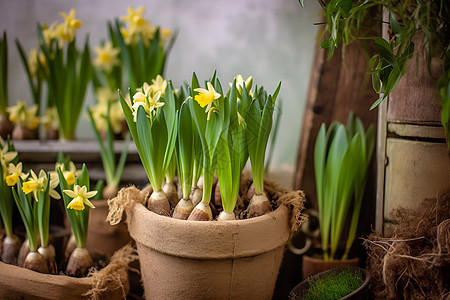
[[34, 184], [14, 173], [158, 84], [6, 157], [23, 116], [137, 26], [34, 58], [165, 34], [240, 85], [146, 100], [107, 57], [206, 98], [80, 197], [135, 16], [70, 20], [50, 120], [69, 172], [105, 95]]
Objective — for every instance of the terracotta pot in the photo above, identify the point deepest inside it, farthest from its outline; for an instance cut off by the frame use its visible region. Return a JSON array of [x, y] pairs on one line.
[[216, 260], [110, 282], [361, 293], [102, 237], [312, 266]]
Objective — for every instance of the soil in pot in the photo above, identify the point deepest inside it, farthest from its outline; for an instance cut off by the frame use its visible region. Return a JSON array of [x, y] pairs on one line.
[[339, 283]]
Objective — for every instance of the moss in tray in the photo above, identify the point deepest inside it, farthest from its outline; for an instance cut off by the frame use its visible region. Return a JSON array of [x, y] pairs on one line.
[[335, 285]]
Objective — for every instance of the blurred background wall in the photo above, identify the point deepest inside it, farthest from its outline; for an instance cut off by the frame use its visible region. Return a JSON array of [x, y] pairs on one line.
[[271, 40]]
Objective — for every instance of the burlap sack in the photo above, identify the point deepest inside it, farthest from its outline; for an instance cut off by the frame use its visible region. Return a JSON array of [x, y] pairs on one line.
[[209, 260], [110, 282]]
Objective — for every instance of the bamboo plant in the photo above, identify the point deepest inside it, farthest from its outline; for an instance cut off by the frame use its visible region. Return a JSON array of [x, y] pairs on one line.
[[342, 156], [113, 170], [152, 120], [11, 243], [259, 125], [68, 71], [76, 200]]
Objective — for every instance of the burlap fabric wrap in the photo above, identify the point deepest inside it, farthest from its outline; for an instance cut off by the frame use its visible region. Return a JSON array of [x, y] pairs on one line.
[[110, 282], [217, 260]]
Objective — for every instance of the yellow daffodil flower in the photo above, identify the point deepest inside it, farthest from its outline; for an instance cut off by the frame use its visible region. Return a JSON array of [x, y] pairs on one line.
[[165, 34], [34, 58], [23, 116], [34, 184], [107, 57], [240, 85], [54, 182], [50, 120], [105, 95], [14, 173], [6, 157], [135, 16], [137, 26], [206, 98], [69, 172], [80, 197], [158, 84], [70, 20], [146, 100], [116, 116]]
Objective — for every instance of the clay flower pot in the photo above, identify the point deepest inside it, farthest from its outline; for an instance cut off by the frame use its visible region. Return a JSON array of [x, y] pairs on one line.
[[110, 282], [361, 293], [312, 266], [102, 237], [221, 260]]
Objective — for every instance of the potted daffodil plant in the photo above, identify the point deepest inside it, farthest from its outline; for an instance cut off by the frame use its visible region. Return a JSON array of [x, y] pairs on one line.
[[205, 129]]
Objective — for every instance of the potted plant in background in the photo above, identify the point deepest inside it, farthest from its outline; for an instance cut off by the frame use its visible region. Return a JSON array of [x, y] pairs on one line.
[[143, 47], [342, 156], [5, 125], [66, 69]]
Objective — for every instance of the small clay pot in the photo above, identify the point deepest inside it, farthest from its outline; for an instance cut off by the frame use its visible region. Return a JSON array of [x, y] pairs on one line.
[[102, 237], [312, 266]]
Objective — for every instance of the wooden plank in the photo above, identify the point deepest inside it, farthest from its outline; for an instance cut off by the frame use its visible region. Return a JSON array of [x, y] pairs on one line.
[[417, 131], [415, 99]]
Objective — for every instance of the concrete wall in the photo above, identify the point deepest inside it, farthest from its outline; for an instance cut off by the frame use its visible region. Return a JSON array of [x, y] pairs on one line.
[[271, 40]]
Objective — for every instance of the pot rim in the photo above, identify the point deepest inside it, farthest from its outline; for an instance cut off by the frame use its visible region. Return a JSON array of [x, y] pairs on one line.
[[228, 239]]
